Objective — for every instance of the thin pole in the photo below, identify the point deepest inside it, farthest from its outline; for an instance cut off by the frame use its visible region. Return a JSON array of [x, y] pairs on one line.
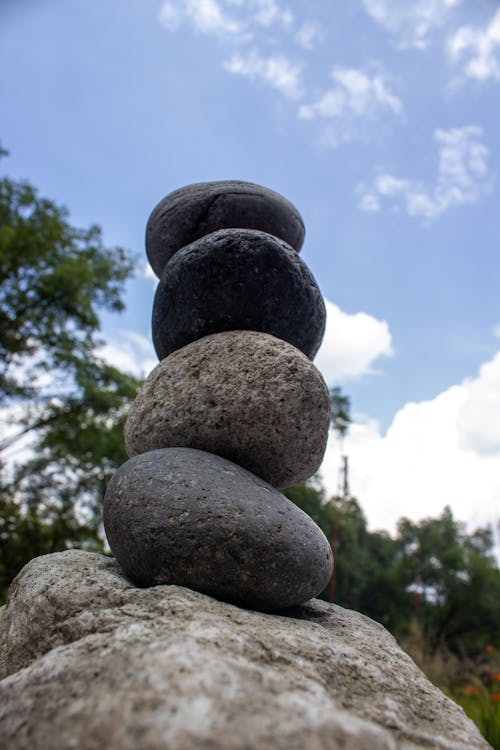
[[345, 471], [335, 541]]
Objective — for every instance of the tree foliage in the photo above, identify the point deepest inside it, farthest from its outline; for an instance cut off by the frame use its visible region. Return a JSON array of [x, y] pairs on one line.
[[55, 281], [455, 580], [432, 573]]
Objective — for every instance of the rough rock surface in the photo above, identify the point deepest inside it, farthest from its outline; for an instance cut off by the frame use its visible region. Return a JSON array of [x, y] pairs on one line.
[[237, 279], [246, 396], [97, 663], [195, 210], [186, 517]]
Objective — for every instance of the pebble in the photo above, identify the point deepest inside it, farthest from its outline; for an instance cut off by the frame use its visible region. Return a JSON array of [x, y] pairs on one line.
[[195, 210], [237, 279], [249, 397], [186, 517]]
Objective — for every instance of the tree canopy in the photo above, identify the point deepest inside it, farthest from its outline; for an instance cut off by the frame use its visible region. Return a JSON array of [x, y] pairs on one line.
[[55, 281], [432, 573]]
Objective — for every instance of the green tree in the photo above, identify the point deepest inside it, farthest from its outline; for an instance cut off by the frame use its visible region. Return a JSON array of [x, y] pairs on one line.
[[55, 280], [456, 582], [366, 578], [432, 574]]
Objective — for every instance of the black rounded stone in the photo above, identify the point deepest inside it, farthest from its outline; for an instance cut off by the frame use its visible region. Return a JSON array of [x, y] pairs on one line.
[[196, 210], [237, 279], [185, 517]]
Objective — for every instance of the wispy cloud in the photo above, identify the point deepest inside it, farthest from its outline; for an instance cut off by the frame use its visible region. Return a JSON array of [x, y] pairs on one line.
[[205, 16], [250, 49], [224, 17], [278, 71], [477, 50], [354, 98], [462, 178], [309, 35], [264, 42], [354, 93], [269, 12], [410, 23]]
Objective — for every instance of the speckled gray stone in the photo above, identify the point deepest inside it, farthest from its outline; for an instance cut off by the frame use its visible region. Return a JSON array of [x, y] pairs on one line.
[[186, 517], [237, 279], [88, 661], [195, 210], [246, 396]]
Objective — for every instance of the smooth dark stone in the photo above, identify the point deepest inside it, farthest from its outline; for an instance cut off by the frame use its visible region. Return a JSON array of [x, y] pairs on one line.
[[196, 210], [237, 279], [185, 517]]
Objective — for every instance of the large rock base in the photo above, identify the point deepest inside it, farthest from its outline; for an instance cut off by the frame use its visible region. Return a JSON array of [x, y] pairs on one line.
[[89, 661]]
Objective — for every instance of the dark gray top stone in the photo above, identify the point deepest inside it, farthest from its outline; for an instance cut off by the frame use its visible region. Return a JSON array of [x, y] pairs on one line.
[[195, 210], [237, 279]]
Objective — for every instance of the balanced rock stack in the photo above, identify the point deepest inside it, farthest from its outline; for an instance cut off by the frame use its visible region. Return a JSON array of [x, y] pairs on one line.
[[234, 411]]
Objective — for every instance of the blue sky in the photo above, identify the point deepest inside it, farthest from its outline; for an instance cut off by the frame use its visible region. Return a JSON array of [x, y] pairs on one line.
[[378, 119]]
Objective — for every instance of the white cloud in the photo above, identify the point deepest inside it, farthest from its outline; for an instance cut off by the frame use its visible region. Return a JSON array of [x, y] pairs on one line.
[[130, 352], [277, 71], [355, 99], [351, 345], [435, 453], [478, 419], [462, 178], [477, 50], [150, 274], [410, 22]]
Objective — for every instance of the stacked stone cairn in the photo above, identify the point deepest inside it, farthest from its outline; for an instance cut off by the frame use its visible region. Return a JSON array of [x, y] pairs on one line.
[[234, 411]]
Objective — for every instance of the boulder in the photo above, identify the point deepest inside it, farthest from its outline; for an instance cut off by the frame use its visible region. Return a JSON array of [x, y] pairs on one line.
[[89, 661], [246, 396], [195, 210], [237, 279], [186, 517]]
